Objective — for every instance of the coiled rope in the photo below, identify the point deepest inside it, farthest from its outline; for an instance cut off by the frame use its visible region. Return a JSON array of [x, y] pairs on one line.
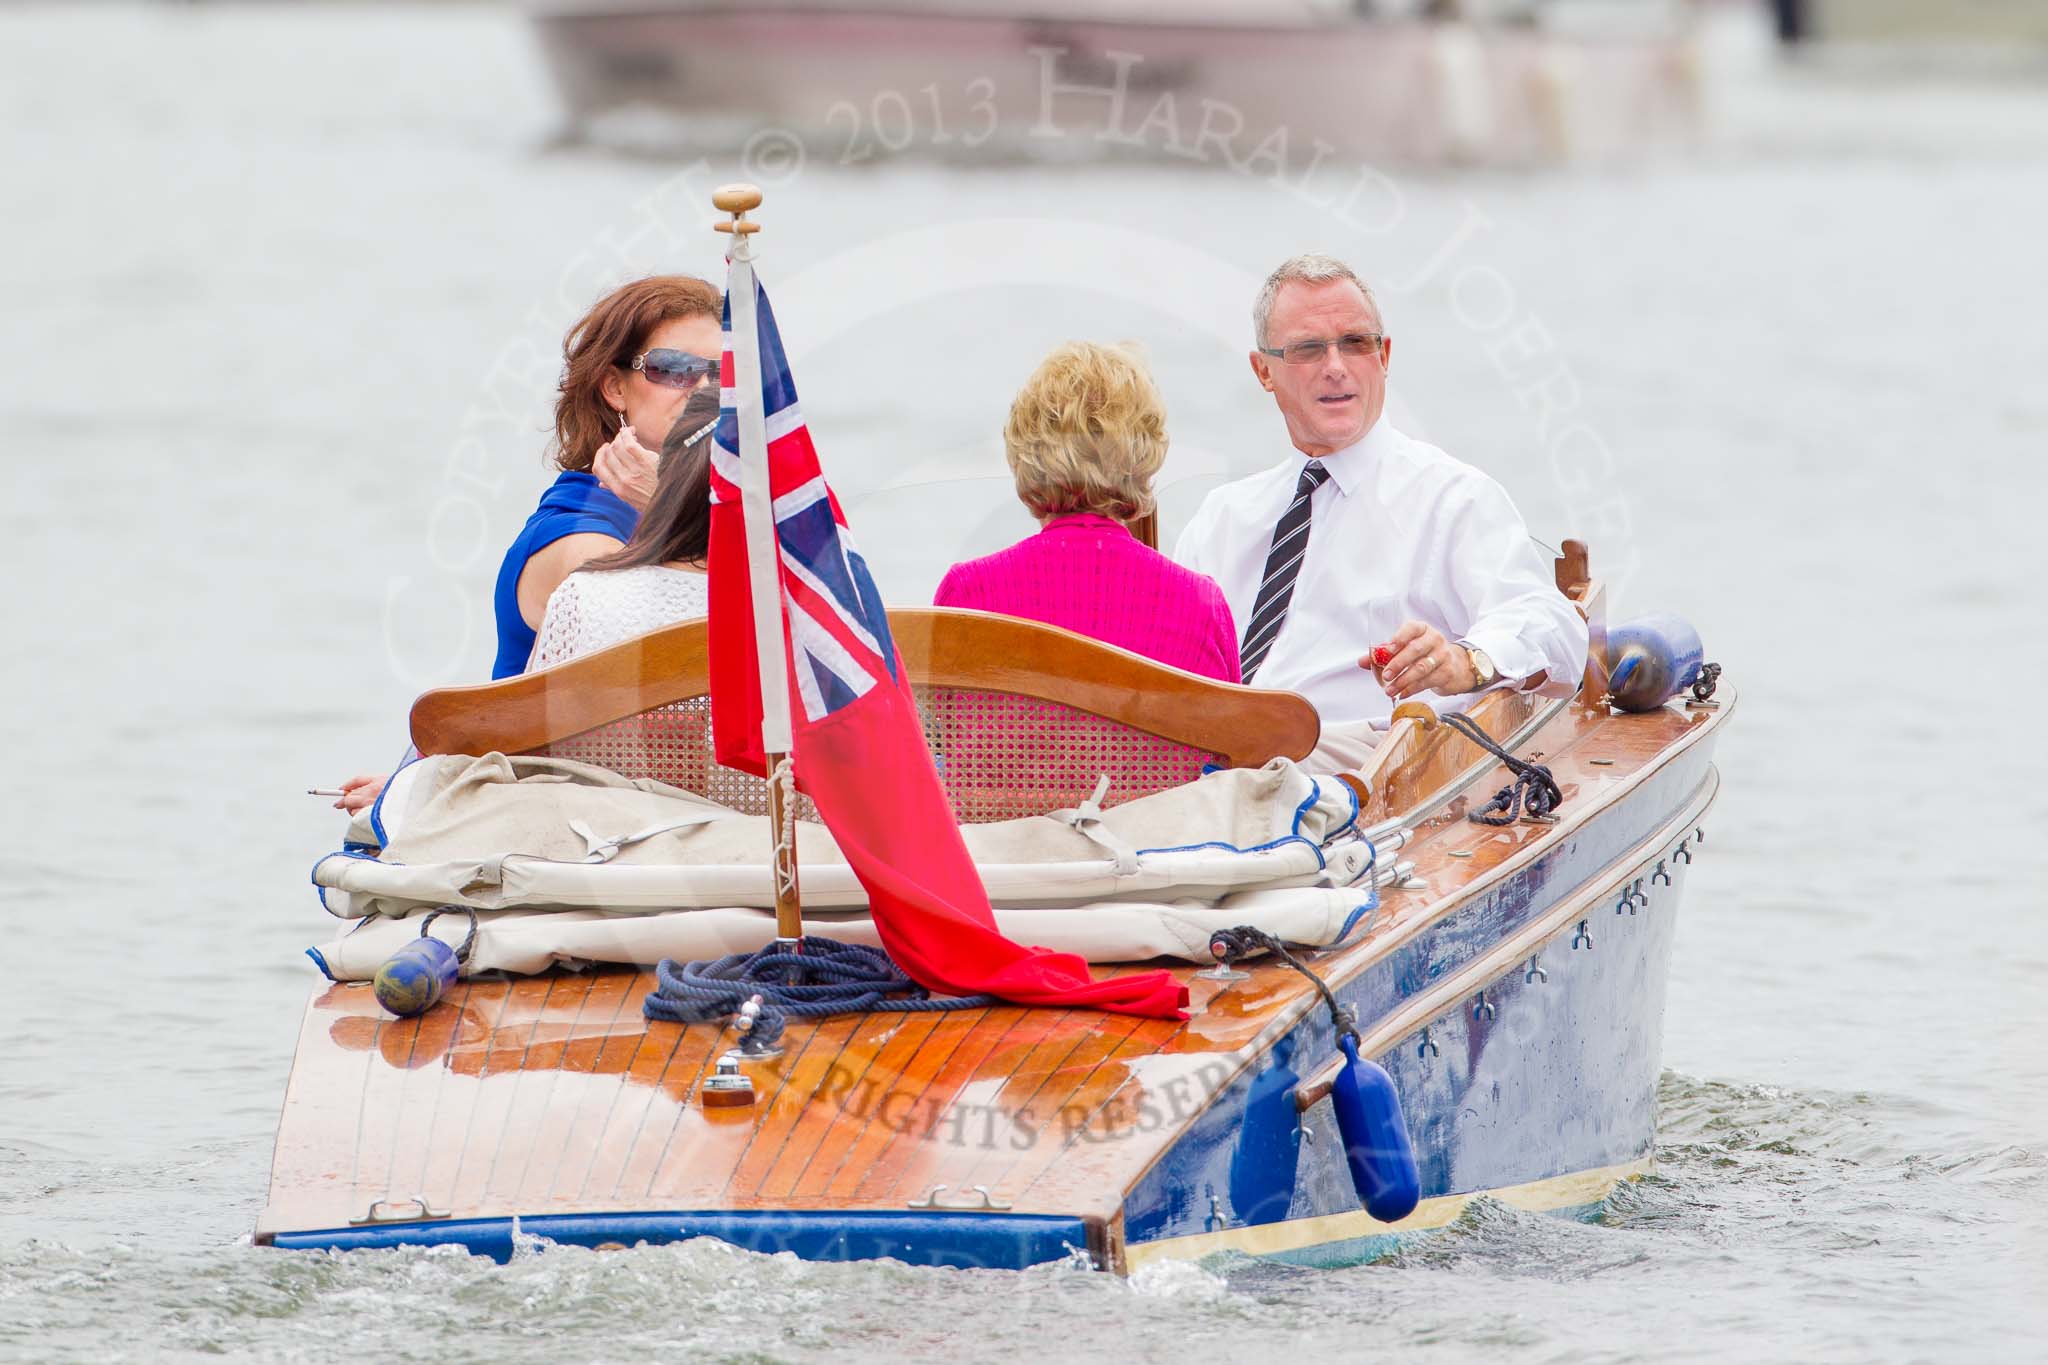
[[1534, 792], [827, 977]]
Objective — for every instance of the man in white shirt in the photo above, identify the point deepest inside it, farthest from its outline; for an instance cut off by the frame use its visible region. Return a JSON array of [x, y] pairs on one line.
[[1366, 537]]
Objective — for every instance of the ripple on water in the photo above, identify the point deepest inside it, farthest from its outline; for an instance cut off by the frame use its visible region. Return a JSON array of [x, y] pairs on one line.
[[1772, 1217]]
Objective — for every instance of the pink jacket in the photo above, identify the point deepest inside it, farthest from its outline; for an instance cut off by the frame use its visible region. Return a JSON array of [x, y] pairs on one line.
[[1088, 574]]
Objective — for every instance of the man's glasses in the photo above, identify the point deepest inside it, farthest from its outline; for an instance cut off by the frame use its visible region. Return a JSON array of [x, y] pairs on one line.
[[674, 369], [1353, 345]]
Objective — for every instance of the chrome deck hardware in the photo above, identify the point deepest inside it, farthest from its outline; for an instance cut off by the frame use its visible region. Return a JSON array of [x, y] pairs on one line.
[[371, 1215], [988, 1203], [727, 1087]]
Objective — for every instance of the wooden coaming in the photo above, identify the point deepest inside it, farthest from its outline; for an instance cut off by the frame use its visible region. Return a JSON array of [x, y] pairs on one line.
[[1574, 575], [1420, 755], [554, 1095]]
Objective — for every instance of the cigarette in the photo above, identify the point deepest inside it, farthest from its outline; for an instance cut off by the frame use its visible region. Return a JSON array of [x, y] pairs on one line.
[[324, 791]]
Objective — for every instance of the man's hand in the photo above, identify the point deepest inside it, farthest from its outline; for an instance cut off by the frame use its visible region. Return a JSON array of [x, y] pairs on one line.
[[1423, 661], [627, 468]]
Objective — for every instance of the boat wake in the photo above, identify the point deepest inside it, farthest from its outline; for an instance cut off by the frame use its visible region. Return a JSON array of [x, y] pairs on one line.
[[1804, 1201]]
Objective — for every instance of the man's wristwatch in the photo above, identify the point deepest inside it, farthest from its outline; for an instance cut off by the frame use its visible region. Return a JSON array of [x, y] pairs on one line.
[[1482, 667]]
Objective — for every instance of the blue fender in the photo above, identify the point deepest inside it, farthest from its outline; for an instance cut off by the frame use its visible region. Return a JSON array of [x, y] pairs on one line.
[[413, 979], [1651, 659], [1375, 1136], [1266, 1158]]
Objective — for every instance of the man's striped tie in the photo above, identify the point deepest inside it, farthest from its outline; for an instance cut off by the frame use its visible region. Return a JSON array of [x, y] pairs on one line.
[[1283, 564]]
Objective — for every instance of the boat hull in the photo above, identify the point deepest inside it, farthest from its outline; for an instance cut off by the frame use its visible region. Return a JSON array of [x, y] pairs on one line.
[[1514, 990], [1301, 104]]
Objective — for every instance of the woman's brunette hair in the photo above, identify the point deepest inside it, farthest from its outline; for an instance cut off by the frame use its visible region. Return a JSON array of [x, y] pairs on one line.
[[614, 331], [677, 522]]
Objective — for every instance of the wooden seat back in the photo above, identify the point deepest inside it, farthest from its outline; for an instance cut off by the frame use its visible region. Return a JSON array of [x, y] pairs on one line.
[[1021, 717]]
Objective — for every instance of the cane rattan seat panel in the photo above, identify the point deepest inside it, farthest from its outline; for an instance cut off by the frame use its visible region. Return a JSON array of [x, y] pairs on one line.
[[1003, 756], [672, 744], [1000, 755]]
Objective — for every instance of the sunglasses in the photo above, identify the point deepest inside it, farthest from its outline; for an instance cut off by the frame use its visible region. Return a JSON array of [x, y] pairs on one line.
[[674, 369], [1353, 345]]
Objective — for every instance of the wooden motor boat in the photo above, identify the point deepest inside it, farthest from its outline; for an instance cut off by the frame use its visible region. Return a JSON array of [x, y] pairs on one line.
[[1251, 85], [1512, 984]]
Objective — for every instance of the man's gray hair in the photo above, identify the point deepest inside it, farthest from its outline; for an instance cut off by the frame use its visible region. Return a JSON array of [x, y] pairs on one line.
[[1308, 268]]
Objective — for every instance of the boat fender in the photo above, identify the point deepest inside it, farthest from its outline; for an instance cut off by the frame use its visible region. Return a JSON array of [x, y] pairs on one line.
[[1650, 660], [1375, 1136], [413, 979], [1369, 1121]]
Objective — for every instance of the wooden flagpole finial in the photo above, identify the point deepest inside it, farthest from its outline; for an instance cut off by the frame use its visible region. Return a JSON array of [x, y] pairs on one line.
[[737, 200]]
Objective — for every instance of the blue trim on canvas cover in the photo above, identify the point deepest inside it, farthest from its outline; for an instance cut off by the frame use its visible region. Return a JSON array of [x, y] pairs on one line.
[[1294, 836], [410, 757], [1350, 822], [345, 851], [961, 1240], [1371, 903]]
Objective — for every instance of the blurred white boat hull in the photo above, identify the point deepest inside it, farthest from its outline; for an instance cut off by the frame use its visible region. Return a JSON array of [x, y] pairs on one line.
[[1271, 90]]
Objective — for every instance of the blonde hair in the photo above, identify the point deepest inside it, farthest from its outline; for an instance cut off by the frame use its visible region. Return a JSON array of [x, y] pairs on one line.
[[1086, 433]]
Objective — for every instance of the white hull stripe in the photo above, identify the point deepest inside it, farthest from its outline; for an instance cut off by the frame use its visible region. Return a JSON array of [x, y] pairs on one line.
[[1554, 1194]]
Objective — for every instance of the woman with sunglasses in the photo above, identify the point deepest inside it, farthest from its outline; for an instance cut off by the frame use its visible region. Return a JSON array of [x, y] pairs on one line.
[[629, 365], [658, 578]]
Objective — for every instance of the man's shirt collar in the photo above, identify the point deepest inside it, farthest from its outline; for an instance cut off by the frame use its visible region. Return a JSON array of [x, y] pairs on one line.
[[1350, 467]]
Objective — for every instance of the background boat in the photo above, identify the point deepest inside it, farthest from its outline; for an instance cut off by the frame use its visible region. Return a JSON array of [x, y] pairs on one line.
[[1238, 83]]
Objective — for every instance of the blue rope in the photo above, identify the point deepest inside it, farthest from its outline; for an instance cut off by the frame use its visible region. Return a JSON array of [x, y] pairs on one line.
[[827, 977], [1534, 790]]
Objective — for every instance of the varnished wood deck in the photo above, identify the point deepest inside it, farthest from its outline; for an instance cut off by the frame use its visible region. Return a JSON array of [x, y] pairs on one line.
[[553, 1094]]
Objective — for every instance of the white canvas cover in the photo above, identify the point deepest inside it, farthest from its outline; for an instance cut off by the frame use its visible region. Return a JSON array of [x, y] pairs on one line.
[[567, 862]]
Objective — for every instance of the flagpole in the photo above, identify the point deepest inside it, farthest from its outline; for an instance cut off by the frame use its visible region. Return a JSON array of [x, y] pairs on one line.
[[764, 566]]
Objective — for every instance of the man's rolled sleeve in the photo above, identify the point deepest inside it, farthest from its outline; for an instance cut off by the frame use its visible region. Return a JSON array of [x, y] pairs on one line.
[[1518, 617]]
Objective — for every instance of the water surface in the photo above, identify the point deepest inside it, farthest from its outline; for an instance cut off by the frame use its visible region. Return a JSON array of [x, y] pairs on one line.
[[283, 295]]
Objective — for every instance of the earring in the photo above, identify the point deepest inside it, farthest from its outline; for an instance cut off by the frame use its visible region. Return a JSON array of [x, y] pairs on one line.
[[621, 415]]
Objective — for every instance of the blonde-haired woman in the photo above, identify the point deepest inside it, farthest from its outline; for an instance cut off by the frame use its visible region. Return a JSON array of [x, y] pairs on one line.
[[1085, 436]]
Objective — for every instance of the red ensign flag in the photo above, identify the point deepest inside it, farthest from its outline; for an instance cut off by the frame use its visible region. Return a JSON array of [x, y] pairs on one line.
[[858, 749]]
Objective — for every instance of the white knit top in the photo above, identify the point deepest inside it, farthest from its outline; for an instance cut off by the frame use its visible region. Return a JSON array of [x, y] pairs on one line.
[[597, 607]]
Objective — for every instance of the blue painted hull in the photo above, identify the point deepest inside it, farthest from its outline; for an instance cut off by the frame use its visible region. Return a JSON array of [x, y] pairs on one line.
[[1540, 1070]]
